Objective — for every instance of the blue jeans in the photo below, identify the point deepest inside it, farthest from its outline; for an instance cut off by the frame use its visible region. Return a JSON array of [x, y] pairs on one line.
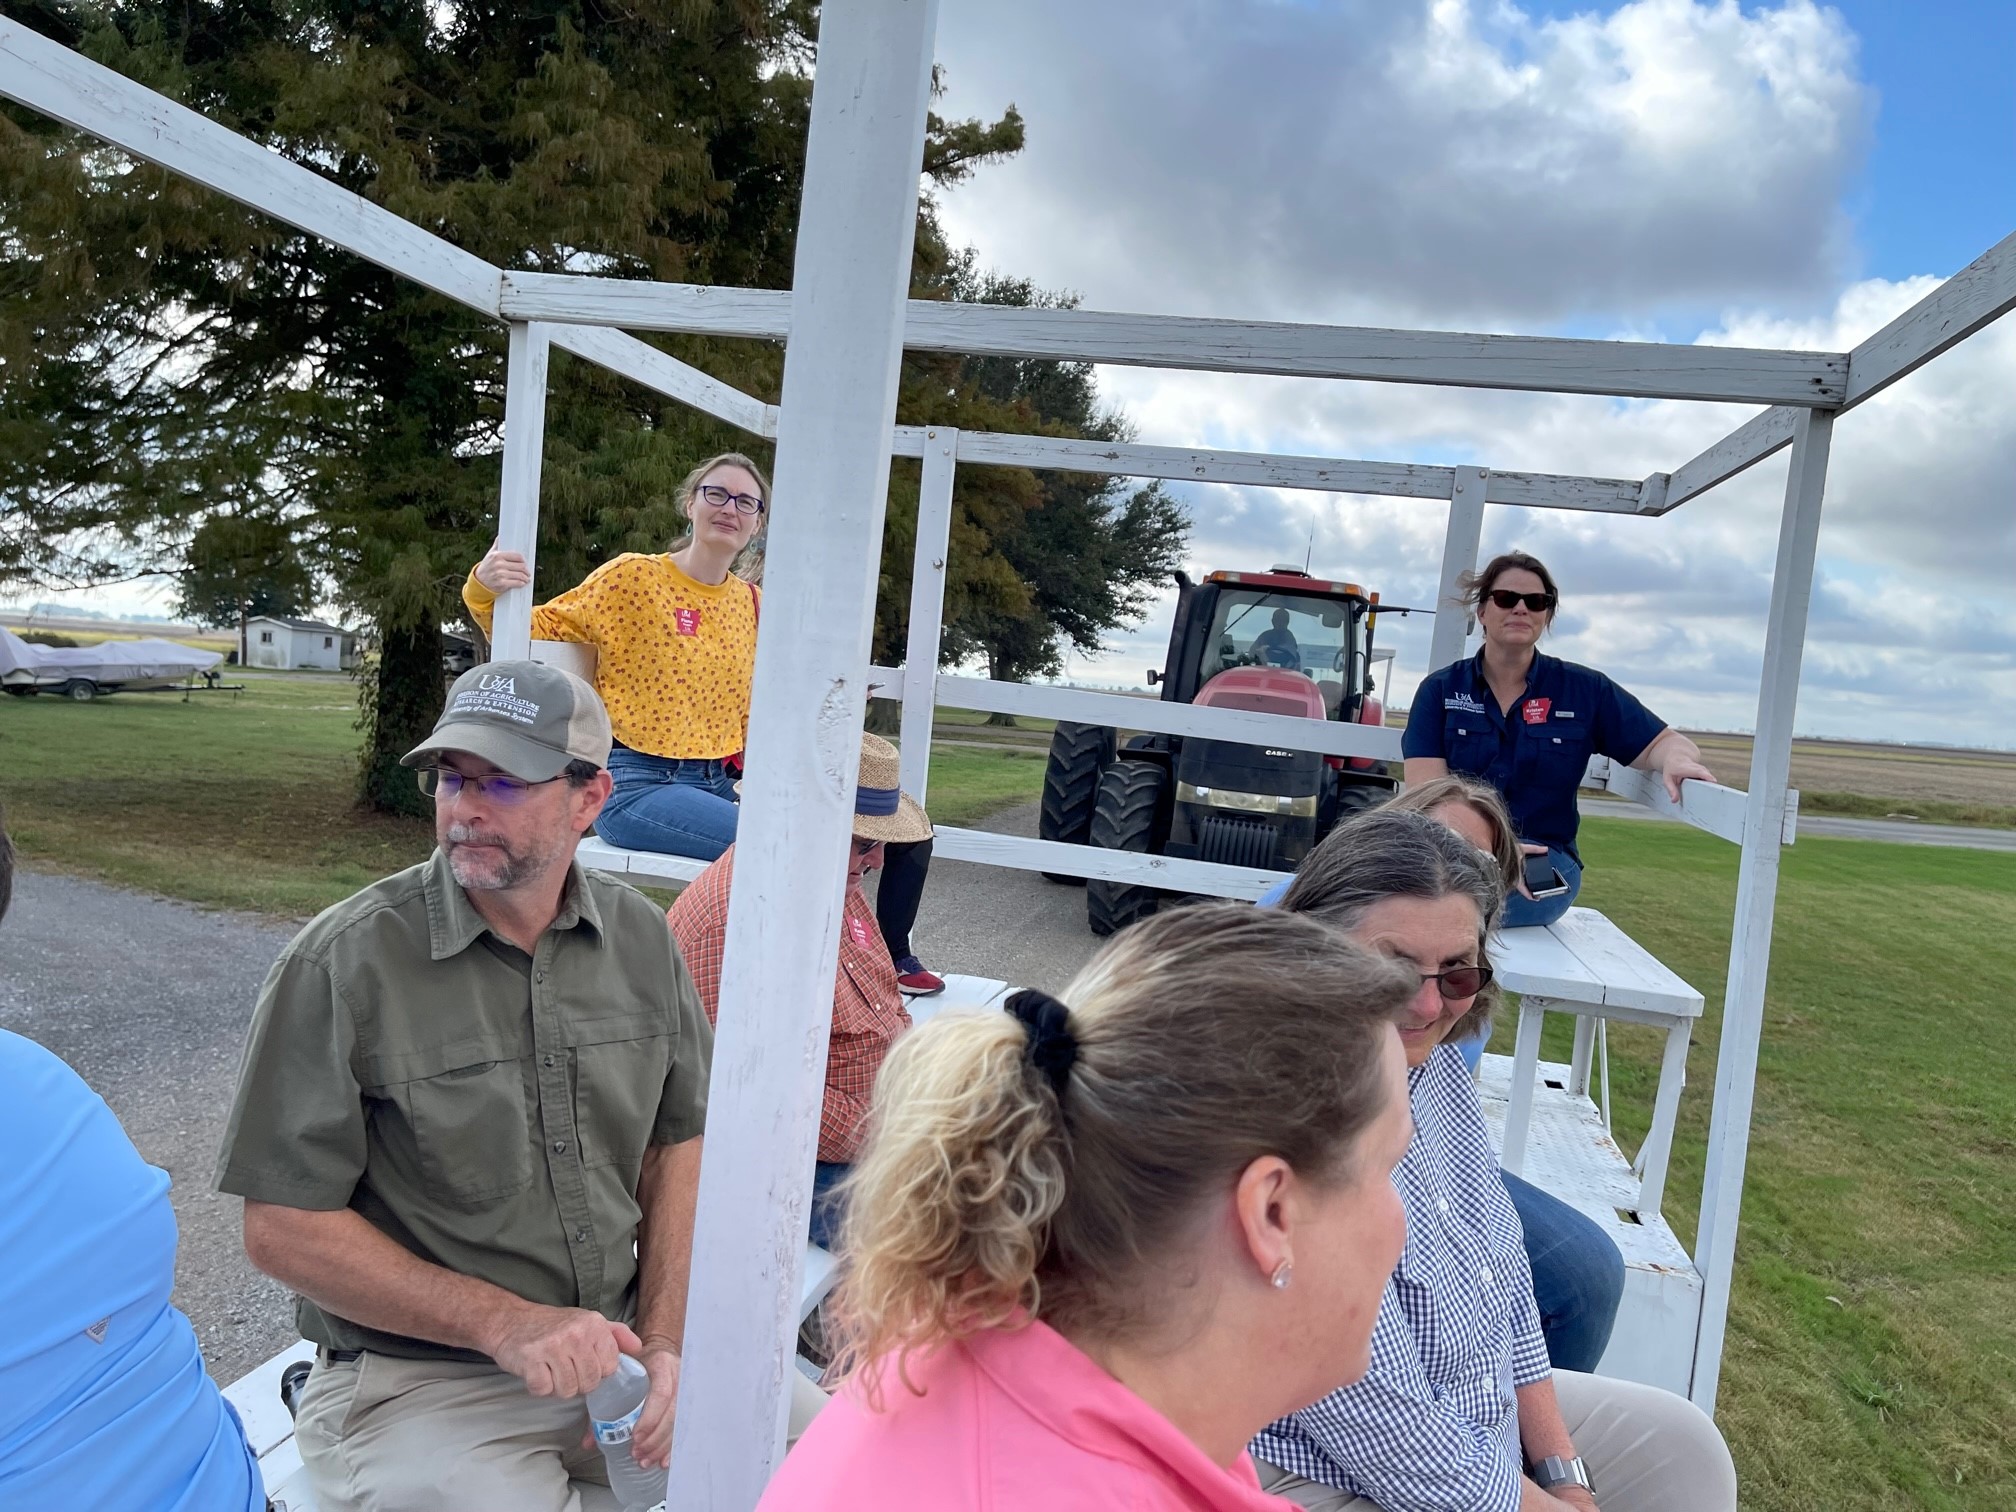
[[1521, 911], [1578, 1275], [828, 1208], [663, 803]]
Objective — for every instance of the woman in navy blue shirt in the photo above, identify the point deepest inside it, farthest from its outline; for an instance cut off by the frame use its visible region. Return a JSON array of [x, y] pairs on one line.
[[1528, 724]]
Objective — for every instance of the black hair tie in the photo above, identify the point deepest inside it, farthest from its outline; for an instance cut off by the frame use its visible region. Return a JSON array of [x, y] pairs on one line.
[[1053, 1048]]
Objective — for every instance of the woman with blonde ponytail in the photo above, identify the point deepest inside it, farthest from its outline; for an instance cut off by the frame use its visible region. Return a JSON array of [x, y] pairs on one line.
[[1096, 1243]]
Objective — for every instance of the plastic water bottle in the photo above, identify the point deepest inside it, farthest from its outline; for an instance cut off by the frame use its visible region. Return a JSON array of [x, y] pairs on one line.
[[614, 1407]]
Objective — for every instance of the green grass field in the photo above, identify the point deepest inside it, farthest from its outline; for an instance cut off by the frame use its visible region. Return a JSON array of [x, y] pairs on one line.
[[246, 802], [1872, 1349]]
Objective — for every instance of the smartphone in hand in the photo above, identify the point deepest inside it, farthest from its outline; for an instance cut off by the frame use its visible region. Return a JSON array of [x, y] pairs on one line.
[[1542, 881]]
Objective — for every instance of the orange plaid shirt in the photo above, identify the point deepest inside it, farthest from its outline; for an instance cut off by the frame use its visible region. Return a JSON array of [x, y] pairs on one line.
[[868, 1010]]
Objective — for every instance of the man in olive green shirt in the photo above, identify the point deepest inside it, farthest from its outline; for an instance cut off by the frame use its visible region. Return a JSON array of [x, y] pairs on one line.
[[468, 1091]]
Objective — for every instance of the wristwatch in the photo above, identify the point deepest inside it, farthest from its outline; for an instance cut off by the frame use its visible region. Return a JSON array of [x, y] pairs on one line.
[[1555, 1471]]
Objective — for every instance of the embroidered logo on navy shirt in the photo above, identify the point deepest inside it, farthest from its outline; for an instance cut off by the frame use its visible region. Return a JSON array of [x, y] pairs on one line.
[[1463, 703]]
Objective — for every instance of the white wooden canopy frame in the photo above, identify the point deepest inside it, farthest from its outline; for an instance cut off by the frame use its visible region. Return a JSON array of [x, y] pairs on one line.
[[846, 321]]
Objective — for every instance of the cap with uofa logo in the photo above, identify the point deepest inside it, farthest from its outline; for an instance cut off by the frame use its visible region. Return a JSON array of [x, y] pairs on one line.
[[523, 717]]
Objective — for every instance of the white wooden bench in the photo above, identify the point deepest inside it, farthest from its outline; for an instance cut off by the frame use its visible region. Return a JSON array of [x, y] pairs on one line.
[[1570, 1155], [647, 868], [1586, 966]]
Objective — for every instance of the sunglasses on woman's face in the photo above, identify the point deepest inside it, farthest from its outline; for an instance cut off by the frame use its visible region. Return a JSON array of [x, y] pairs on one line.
[[1459, 982], [1505, 598]]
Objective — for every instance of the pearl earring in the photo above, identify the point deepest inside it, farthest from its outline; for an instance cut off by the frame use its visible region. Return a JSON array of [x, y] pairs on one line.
[[1283, 1273]]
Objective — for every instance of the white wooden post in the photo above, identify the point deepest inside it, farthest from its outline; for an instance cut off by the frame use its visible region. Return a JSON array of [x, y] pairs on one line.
[[1757, 892], [518, 496], [927, 605], [852, 272], [1459, 555]]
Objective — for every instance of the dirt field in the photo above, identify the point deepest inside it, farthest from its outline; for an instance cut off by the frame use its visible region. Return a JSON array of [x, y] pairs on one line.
[[1899, 773]]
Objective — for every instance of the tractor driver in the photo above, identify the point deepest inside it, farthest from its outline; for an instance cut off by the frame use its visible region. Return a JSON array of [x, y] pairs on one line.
[[1278, 647]]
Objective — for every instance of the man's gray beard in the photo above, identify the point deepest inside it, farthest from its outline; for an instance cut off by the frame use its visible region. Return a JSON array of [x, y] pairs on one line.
[[510, 874], [516, 869]]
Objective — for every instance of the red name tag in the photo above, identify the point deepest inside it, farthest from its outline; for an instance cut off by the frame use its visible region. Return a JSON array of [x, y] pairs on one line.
[[859, 929], [1535, 710], [687, 621]]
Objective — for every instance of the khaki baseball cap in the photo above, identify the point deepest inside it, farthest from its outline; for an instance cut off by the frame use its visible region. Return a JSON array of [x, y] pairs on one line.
[[523, 717]]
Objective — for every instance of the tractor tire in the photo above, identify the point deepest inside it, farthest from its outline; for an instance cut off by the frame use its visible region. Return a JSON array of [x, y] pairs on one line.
[[1357, 797], [1079, 756], [1129, 817], [80, 689]]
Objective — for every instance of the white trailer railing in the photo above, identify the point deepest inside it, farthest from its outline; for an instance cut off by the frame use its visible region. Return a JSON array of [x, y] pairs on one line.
[[860, 187]]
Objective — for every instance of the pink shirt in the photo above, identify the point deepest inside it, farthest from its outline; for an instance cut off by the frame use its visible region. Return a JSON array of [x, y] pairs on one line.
[[1010, 1421]]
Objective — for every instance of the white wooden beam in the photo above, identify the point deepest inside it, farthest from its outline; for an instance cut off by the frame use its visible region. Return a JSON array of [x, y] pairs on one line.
[[1720, 810], [856, 228], [1257, 469], [1322, 474], [1557, 364], [639, 304], [927, 606], [1649, 370], [1751, 442], [518, 495], [1757, 894], [1459, 555], [70, 88], [1045, 701], [1135, 867], [1983, 291], [641, 362]]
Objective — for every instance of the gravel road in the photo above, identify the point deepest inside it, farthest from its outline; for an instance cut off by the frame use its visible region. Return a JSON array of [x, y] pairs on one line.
[[148, 1000]]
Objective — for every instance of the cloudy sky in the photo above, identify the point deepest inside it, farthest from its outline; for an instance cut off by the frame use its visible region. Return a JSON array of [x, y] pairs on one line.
[[1785, 175]]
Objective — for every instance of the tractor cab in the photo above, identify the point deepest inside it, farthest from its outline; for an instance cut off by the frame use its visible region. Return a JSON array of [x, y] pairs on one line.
[[1284, 620], [1274, 642]]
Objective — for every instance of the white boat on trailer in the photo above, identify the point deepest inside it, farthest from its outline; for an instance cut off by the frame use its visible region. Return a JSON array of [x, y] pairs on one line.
[[113, 666]]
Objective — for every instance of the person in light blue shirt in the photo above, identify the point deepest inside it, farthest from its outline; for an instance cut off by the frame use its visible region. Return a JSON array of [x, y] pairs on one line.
[[103, 1399]]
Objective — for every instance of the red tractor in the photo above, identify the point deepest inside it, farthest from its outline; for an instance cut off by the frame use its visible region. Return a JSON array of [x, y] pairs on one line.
[[1277, 642]]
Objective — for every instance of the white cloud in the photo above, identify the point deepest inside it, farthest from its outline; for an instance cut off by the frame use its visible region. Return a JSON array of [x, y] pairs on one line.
[[1444, 162], [1452, 163]]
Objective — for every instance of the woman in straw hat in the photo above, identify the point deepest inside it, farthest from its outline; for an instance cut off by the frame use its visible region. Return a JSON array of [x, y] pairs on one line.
[[868, 1011]]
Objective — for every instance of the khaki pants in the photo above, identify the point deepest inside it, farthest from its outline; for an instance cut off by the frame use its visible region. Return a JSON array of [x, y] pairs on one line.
[[382, 1434], [1647, 1451]]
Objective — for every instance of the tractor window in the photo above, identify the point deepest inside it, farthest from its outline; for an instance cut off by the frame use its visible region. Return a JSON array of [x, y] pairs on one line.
[[1295, 632]]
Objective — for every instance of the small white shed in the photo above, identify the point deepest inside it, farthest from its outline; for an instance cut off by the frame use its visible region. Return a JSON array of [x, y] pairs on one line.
[[283, 643]]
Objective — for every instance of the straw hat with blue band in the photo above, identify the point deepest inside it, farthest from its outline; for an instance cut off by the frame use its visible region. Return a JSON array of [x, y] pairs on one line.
[[882, 810]]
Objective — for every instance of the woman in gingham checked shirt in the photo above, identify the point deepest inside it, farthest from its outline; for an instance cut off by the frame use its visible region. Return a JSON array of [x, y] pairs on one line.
[[1460, 1411]]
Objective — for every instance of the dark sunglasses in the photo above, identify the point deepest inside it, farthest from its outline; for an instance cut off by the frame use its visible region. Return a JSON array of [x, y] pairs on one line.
[[1505, 598], [864, 847], [1459, 982], [495, 787]]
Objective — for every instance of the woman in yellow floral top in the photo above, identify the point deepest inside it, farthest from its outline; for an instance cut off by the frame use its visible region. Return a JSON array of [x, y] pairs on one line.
[[675, 643], [675, 650]]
